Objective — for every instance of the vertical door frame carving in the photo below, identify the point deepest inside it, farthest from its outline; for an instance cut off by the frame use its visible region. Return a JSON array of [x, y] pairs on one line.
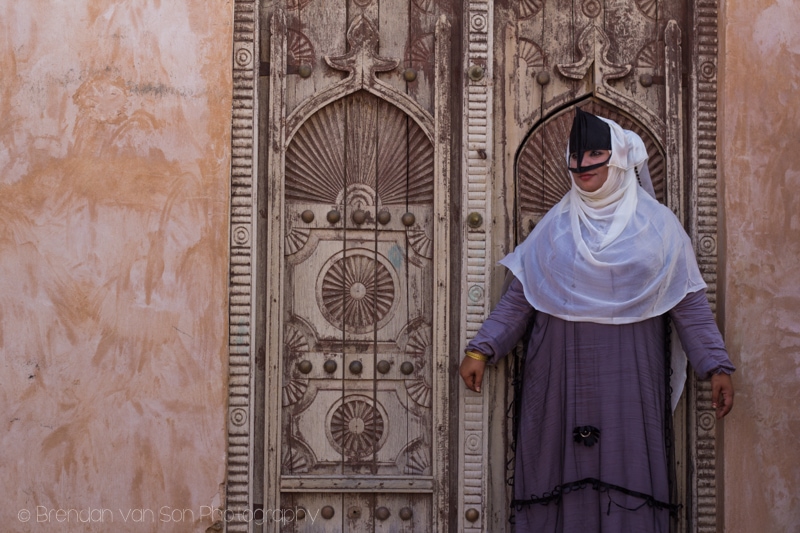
[[243, 266], [702, 168], [476, 200]]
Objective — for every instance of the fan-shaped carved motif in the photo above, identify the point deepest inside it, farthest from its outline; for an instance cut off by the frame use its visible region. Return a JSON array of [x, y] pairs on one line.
[[357, 291], [648, 7], [531, 53], [419, 341], [294, 342], [648, 56], [357, 427], [295, 240], [542, 174], [297, 4], [414, 459], [419, 391], [363, 3], [293, 391], [425, 5], [420, 53], [315, 163], [297, 456], [358, 196], [294, 347], [421, 243], [528, 8], [360, 139], [300, 51]]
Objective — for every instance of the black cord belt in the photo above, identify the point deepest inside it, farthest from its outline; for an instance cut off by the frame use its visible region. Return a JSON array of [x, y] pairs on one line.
[[600, 486]]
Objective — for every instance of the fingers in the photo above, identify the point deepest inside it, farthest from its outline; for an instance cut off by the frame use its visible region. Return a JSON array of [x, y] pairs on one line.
[[471, 372], [478, 378], [721, 394]]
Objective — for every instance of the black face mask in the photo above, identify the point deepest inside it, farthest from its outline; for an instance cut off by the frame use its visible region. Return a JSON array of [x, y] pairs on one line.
[[588, 133]]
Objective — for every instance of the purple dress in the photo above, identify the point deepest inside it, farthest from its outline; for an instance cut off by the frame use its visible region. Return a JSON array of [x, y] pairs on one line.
[[591, 446]]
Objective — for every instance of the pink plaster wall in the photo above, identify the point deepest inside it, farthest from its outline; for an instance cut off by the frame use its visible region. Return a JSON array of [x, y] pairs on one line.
[[759, 154], [114, 172]]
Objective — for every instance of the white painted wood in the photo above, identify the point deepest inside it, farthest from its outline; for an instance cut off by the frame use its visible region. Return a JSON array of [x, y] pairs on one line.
[[475, 201]]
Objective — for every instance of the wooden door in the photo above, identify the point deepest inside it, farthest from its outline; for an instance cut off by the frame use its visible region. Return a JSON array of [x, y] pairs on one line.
[[357, 260], [648, 65]]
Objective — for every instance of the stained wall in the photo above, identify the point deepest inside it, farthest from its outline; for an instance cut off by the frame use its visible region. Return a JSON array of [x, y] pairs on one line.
[[759, 155], [114, 176]]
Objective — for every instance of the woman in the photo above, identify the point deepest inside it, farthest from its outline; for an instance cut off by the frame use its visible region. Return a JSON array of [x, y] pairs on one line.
[[595, 278]]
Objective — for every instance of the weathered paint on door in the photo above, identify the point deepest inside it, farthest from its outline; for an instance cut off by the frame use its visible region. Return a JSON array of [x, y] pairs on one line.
[[651, 67], [358, 252], [357, 139]]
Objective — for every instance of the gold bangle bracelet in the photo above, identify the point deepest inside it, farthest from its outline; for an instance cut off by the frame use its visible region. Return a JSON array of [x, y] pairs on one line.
[[477, 356]]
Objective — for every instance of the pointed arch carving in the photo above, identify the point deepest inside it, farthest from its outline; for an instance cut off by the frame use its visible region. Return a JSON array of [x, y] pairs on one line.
[[362, 63]]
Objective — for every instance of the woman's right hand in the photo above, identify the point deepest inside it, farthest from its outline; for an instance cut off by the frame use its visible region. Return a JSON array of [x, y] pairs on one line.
[[472, 373]]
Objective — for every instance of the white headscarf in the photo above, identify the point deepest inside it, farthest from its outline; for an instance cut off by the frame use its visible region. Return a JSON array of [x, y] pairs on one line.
[[612, 256]]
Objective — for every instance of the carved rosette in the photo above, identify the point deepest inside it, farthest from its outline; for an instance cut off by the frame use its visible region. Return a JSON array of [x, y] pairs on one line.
[[357, 290], [357, 426]]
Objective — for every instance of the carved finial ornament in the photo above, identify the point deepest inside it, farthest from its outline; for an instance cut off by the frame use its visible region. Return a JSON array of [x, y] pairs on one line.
[[362, 61], [593, 46]]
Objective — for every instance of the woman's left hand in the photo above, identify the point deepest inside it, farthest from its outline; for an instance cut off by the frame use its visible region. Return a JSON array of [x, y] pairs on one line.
[[721, 394]]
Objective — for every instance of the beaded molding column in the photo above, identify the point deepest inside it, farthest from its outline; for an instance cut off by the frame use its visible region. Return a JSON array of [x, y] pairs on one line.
[[476, 214], [703, 230], [244, 137]]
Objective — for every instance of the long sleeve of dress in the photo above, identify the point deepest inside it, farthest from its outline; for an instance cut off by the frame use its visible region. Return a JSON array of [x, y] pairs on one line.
[[505, 326], [700, 336]]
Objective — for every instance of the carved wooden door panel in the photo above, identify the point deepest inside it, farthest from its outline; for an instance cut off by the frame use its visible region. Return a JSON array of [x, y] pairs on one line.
[[357, 259], [651, 67]]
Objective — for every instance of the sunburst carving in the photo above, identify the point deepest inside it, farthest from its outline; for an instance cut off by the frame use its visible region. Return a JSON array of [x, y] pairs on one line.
[[294, 347], [414, 459], [420, 54], [295, 240], [293, 391], [297, 456], [419, 391], [297, 4], [543, 177], [357, 291], [648, 56], [358, 196], [315, 162], [531, 53], [356, 427], [425, 5], [648, 7], [421, 243], [299, 51], [528, 8], [419, 341], [360, 139]]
